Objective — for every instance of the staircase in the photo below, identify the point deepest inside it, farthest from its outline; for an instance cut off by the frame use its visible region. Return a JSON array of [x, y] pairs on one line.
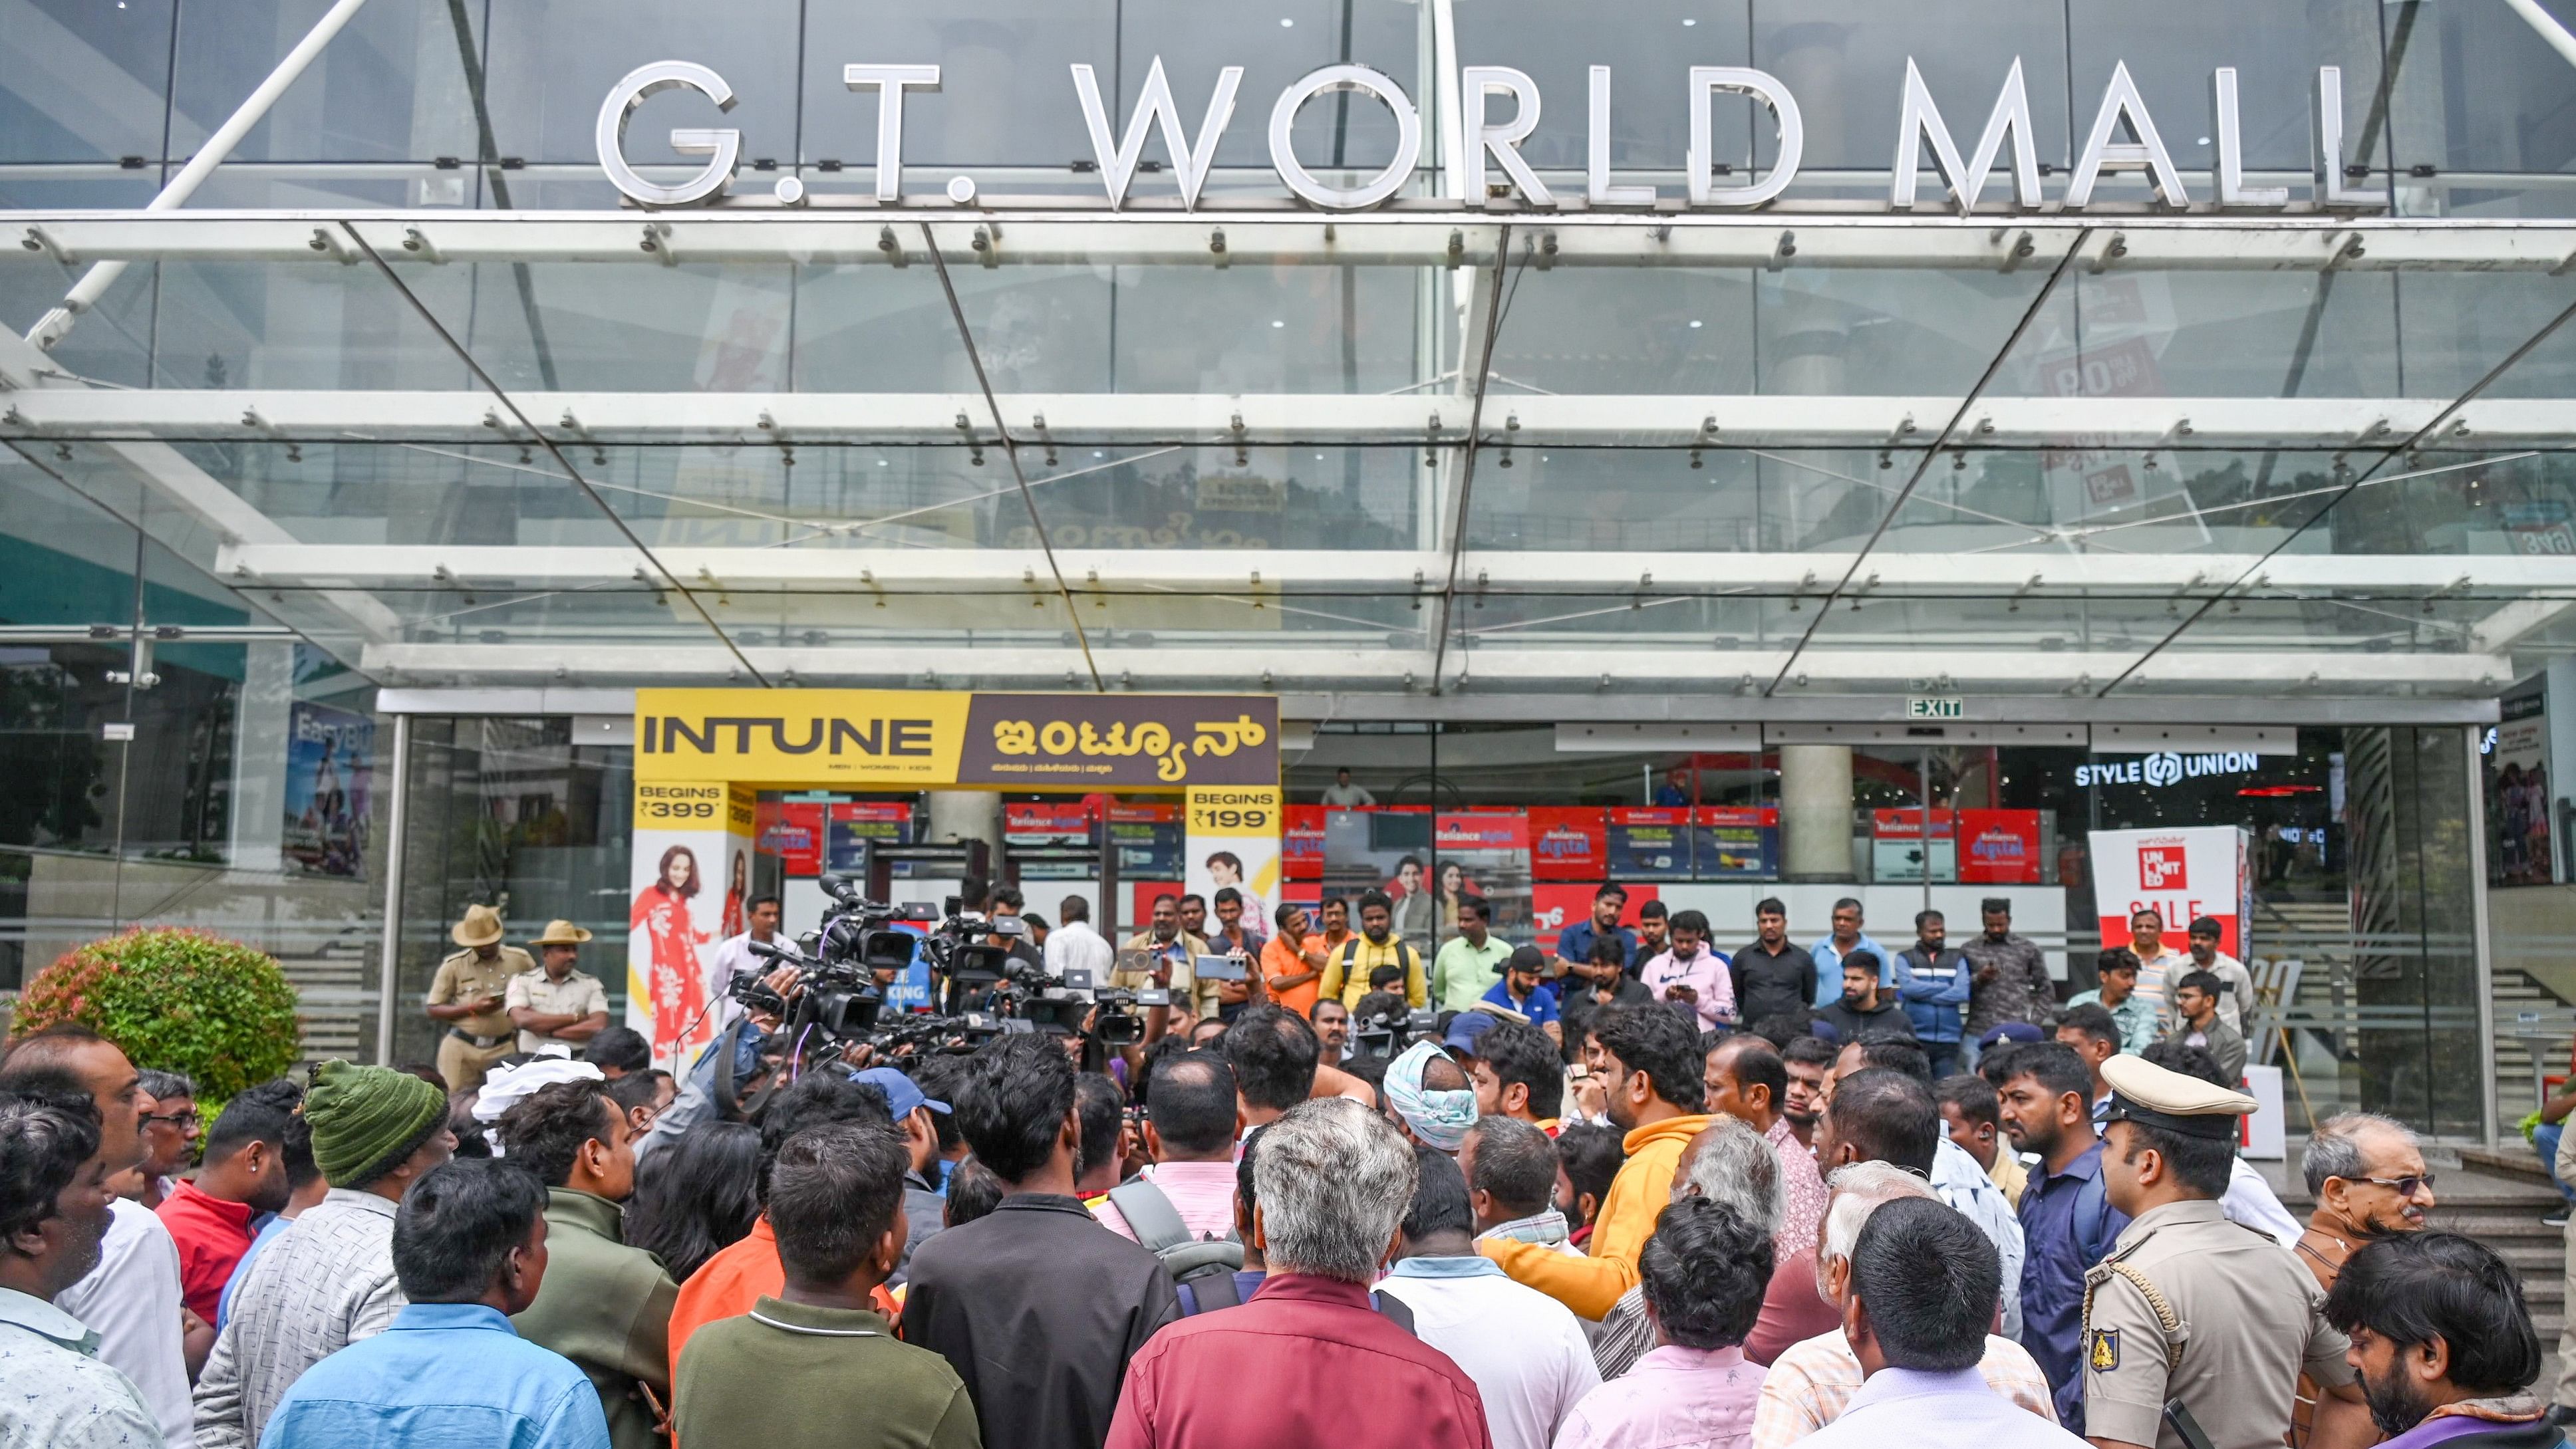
[[335, 986], [2497, 1198]]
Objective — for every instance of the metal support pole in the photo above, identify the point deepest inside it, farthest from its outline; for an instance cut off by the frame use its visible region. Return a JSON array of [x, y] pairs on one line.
[[395, 815], [56, 324], [2547, 24], [2490, 1116]]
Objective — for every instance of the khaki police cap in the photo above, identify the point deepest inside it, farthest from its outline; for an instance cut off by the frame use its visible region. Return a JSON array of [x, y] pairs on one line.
[[2155, 1096]]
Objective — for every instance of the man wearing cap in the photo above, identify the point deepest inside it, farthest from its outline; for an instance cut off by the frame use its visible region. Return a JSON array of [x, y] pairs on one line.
[[328, 1281], [1471, 962], [2205, 956], [2189, 1306], [1521, 992], [923, 1208], [467, 998], [556, 1005]]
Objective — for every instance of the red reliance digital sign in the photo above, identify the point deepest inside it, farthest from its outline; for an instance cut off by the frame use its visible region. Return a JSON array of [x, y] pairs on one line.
[[1482, 830], [1301, 855], [1567, 843], [1999, 847], [792, 830], [1036, 823]]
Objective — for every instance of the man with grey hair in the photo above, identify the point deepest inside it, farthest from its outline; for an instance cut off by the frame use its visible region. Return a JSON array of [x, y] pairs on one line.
[[2367, 1175], [1732, 1164], [1812, 1382], [1331, 1184]]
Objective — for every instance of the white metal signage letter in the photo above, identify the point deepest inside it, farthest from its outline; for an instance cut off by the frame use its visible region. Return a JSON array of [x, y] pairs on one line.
[[890, 81], [1501, 143], [1156, 107], [1408, 137], [1596, 158], [650, 80], [2120, 99], [2228, 129], [2330, 188], [1764, 87], [1919, 120]]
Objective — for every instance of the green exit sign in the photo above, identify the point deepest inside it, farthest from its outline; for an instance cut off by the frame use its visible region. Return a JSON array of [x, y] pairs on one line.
[[1934, 707]]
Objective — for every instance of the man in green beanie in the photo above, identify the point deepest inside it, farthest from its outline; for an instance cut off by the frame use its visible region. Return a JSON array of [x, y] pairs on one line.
[[328, 1281]]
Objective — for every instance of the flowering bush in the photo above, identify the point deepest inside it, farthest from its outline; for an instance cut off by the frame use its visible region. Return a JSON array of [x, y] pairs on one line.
[[178, 1000]]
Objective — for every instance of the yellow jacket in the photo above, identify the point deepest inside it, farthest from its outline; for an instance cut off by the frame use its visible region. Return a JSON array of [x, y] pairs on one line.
[[1592, 1285], [1346, 971]]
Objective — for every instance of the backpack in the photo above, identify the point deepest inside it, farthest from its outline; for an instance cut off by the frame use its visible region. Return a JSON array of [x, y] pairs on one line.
[[1404, 957], [1206, 1265], [2091, 1219]]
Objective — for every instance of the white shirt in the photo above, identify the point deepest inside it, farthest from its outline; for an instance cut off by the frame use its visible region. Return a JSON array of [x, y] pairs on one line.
[[1343, 797], [1525, 1350], [2251, 1202], [131, 1301], [1936, 1411], [1967, 1187], [1075, 946]]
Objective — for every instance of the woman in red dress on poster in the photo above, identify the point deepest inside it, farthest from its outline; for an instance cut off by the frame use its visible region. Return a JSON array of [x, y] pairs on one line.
[[662, 913], [741, 886]]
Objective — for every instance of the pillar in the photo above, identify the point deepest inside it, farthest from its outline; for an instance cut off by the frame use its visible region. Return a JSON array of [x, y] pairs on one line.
[[957, 816], [256, 814], [1816, 812]]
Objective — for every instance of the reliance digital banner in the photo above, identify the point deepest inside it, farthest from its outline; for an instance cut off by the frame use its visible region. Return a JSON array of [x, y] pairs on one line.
[[854, 827], [1735, 842], [1649, 842], [1301, 855], [1998, 847], [2203, 870], [1567, 843]]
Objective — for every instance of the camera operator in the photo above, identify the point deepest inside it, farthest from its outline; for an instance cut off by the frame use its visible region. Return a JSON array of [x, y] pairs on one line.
[[1169, 955]]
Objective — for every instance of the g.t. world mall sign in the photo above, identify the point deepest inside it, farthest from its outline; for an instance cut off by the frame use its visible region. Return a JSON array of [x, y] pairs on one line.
[[2123, 137]]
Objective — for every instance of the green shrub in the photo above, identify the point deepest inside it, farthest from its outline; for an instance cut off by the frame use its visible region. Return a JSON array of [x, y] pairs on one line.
[[178, 1000]]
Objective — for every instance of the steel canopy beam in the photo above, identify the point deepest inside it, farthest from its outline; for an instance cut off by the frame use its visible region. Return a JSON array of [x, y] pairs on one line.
[[1901, 424], [1393, 237], [833, 568]]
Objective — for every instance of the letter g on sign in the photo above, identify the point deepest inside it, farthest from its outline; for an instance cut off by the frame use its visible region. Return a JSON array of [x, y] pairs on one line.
[[642, 83]]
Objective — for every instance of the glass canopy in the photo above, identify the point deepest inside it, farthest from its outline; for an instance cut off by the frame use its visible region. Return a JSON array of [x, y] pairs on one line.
[[1857, 455]]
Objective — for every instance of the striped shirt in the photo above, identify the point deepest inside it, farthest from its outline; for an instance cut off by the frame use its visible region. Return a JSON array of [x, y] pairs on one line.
[[327, 1282]]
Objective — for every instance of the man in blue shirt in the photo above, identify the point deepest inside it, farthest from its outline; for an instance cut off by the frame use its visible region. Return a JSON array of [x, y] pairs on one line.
[[1933, 981], [1521, 991], [469, 1250], [1847, 937], [1574, 943], [2067, 1221]]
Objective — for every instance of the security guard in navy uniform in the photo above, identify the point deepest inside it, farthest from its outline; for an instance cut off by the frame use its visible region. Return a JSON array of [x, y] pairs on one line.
[[2193, 1308]]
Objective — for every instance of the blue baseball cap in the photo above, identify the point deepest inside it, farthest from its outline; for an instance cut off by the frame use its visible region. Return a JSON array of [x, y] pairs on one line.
[[1465, 1029], [2011, 1031], [902, 1094]]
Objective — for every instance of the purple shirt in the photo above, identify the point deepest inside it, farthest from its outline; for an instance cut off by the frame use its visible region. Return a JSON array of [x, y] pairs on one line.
[[1704, 973], [2445, 1427], [1675, 1398]]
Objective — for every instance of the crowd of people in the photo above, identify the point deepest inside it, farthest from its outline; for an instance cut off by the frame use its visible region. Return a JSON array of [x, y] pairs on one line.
[[1628, 1194]]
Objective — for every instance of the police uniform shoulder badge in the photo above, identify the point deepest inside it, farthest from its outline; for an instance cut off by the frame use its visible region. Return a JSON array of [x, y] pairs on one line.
[[2102, 1355]]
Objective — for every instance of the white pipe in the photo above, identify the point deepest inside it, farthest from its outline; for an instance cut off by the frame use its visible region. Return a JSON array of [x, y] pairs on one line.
[[54, 325], [2548, 26], [390, 977]]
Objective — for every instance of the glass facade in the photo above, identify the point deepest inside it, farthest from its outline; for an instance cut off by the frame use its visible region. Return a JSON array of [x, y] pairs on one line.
[[405, 400]]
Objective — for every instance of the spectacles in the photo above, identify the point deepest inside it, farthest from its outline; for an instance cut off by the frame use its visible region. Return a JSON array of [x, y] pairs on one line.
[[2404, 1186], [175, 1119]]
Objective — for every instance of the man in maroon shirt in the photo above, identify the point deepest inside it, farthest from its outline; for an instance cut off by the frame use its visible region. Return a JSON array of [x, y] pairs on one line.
[[214, 1217], [1331, 1183]]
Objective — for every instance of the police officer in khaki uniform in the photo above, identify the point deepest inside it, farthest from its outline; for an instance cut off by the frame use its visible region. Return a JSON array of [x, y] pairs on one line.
[[556, 1005], [2189, 1306], [467, 996]]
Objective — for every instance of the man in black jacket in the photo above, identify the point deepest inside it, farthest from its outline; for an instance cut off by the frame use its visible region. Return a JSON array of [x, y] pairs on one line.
[[1035, 1305], [2443, 1343], [1772, 977], [1864, 1009]]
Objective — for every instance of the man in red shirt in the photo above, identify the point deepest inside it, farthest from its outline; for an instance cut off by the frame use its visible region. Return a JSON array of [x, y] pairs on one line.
[[242, 1179], [1331, 1183]]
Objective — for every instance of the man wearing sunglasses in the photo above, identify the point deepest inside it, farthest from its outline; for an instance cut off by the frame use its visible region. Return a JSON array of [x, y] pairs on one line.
[[2368, 1177]]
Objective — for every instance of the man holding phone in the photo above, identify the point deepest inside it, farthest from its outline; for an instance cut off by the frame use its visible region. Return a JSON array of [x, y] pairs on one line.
[[1162, 955]]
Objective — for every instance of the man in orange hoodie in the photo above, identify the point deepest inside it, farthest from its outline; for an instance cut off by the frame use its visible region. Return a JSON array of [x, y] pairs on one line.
[[1652, 1070]]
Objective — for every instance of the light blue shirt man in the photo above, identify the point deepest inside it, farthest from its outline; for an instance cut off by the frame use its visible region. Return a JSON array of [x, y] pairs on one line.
[[1936, 1411], [1829, 967], [55, 1391], [444, 1376]]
